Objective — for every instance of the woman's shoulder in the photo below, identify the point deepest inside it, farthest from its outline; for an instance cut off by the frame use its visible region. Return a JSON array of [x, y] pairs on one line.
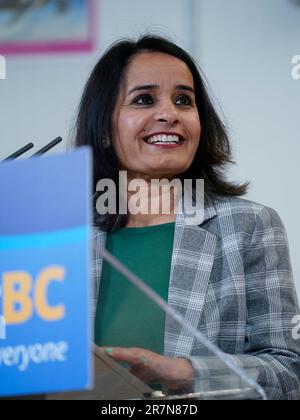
[[244, 213], [231, 204]]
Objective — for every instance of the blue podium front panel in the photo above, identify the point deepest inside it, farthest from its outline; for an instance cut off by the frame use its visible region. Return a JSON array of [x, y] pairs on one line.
[[45, 330]]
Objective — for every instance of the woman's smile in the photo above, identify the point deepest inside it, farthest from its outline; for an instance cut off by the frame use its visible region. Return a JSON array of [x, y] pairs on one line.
[[164, 139]]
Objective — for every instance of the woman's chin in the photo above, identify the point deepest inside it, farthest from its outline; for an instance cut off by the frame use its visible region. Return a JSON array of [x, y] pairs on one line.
[[163, 173]]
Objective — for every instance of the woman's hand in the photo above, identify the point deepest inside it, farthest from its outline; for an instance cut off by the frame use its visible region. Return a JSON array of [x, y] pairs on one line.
[[149, 367]]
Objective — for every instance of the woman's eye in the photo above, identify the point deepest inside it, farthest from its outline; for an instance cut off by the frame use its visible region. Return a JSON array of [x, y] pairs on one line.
[[144, 100], [183, 100]]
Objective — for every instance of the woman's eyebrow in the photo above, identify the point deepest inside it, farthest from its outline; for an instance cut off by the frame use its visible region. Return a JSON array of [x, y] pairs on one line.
[[142, 87], [184, 87], [149, 87]]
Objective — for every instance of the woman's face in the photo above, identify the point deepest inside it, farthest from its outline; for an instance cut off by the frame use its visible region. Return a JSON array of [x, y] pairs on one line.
[[156, 124]]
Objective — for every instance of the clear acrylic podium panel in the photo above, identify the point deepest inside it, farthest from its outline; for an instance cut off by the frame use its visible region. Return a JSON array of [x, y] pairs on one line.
[[114, 382]]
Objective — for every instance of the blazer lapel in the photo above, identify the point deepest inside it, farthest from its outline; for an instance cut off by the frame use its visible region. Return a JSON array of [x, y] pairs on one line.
[[99, 242], [192, 262]]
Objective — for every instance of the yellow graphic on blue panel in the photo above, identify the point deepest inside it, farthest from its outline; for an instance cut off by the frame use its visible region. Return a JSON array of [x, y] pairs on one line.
[[22, 295]]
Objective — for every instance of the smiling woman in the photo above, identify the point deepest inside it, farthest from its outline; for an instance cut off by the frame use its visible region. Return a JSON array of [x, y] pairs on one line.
[[145, 110], [157, 124], [144, 89]]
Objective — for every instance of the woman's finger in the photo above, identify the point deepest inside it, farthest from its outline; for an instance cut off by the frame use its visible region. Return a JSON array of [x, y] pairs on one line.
[[131, 356]]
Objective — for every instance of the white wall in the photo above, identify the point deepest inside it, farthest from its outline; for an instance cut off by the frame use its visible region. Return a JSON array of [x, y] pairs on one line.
[[38, 101], [246, 48]]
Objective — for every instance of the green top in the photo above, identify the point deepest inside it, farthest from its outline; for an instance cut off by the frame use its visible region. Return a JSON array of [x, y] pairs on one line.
[[125, 316]]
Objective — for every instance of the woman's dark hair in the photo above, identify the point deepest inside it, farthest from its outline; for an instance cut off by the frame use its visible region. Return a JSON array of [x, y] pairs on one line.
[[94, 123]]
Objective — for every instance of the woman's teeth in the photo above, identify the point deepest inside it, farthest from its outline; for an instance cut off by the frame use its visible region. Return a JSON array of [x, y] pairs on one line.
[[164, 139]]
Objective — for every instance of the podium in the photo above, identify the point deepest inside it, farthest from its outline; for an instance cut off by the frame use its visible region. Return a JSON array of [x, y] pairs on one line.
[[50, 241], [114, 382], [111, 382]]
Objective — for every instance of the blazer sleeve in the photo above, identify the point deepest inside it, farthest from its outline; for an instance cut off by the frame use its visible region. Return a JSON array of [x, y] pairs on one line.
[[270, 345]]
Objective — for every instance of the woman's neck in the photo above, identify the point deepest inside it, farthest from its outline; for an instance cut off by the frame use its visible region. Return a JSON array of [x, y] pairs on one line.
[[157, 206], [143, 220]]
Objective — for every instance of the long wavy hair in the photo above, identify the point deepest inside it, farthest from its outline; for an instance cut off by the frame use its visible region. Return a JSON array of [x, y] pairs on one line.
[[94, 123]]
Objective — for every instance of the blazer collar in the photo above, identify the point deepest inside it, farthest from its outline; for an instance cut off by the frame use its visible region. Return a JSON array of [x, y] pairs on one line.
[[206, 211]]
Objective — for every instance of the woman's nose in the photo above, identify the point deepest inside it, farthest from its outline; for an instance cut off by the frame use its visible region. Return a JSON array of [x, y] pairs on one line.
[[167, 113]]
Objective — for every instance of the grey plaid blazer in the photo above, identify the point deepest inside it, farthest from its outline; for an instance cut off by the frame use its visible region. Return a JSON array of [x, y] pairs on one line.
[[231, 278]]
